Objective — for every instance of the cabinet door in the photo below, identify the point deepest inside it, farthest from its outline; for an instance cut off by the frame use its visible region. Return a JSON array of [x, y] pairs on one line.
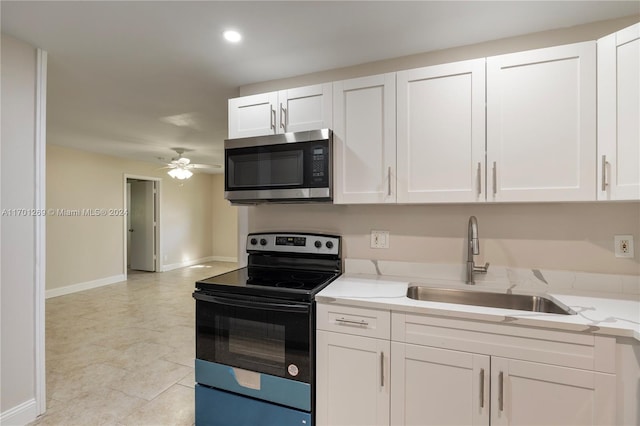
[[352, 380], [441, 133], [364, 140], [305, 108], [618, 115], [253, 115], [431, 386], [526, 393], [541, 124]]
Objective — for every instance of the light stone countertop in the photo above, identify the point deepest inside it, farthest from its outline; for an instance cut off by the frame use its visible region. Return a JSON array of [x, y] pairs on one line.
[[606, 310]]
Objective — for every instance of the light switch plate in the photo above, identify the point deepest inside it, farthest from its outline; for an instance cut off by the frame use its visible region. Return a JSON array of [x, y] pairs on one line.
[[379, 239]]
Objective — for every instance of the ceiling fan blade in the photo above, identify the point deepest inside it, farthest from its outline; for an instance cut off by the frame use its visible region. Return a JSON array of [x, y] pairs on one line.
[[206, 166]]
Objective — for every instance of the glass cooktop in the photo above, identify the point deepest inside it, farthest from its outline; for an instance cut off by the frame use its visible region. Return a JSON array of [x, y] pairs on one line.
[[269, 282]]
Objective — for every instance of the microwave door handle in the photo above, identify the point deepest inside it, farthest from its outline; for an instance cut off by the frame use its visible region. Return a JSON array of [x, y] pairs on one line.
[[244, 303]]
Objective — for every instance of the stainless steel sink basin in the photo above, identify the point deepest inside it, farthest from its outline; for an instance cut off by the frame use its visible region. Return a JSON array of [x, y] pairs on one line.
[[519, 302]]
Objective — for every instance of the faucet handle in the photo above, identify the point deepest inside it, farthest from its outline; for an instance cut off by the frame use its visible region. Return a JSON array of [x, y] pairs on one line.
[[475, 246], [481, 269]]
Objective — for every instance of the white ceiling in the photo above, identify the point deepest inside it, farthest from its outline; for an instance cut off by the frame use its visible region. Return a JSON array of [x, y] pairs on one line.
[[117, 70]]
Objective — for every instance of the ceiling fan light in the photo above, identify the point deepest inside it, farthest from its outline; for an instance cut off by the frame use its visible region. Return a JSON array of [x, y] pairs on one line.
[[179, 173]]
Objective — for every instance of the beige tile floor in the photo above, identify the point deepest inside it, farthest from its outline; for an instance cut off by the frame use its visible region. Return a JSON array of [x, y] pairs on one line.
[[123, 354]]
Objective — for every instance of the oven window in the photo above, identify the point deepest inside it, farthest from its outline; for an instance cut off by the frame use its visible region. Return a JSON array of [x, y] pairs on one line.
[[266, 169], [265, 338], [257, 341]]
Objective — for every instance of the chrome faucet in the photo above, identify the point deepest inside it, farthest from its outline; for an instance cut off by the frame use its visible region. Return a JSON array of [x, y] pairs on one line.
[[472, 249]]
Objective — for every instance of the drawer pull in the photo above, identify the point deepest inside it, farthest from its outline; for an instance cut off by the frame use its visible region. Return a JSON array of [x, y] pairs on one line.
[[482, 388], [501, 391], [343, 321], [604, 172], [381, 369]]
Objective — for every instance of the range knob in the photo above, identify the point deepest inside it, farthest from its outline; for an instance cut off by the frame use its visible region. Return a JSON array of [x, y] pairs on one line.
[[329, 244], [318, 244], [263, 242], [253, 241]]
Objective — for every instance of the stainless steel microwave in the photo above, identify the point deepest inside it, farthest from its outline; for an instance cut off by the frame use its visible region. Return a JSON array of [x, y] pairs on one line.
[[285, 168]]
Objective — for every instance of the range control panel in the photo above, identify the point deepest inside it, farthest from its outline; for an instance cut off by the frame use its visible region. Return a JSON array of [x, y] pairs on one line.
[[287, 242]]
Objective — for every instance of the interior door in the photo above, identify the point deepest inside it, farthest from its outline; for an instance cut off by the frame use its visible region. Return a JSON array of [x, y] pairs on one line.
[[142, 230]]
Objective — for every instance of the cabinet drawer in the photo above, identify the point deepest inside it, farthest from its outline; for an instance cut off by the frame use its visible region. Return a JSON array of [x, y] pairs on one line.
[[577, 350], [349, 320]]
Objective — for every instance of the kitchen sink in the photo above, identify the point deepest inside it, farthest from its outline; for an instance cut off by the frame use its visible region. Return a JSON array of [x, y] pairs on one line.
[[520, 302]]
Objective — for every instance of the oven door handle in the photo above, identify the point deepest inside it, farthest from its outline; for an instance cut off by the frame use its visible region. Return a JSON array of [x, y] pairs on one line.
[[244, 303]]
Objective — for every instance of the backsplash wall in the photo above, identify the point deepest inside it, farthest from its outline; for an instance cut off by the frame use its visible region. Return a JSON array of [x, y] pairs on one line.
[[575, 237]]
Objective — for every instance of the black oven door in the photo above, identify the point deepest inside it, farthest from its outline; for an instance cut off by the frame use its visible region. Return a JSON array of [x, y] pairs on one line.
[[264, 335]]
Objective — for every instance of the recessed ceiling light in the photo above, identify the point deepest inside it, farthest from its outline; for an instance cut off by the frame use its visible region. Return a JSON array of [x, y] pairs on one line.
[[232, 36]]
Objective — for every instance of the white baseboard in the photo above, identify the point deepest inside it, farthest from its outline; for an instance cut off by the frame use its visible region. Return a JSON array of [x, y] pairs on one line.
[[61, 291], [20, 415], [224, 259], [186, 263]]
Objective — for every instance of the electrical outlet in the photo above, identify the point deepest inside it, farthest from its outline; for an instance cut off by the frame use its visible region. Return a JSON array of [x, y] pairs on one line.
[[379, 239], [623, 245]]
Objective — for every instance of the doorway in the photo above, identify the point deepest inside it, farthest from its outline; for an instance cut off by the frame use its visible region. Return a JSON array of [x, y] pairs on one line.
[[142, 230]]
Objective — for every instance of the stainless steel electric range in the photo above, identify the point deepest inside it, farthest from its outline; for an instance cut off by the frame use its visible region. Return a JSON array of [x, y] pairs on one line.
[[255, 332]]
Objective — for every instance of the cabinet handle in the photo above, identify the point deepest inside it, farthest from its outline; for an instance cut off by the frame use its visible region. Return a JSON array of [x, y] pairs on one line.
[[495, 175], [343, 321], [273, 120], [479, 179], [283, 117], [381, 369], [604, 173], [501, 391], [482, 388], [389, 181]]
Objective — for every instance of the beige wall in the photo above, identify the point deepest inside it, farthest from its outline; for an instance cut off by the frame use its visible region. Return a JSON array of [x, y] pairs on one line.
[[496, 47], [84, 249], [554, 236], [225, 223], [576, 237], [17, 290]]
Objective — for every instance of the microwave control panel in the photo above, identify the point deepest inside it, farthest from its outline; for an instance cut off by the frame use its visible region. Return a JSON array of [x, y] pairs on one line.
[[319, 163]]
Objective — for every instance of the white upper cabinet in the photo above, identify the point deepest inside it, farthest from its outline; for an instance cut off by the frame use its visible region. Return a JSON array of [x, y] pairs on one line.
[[253, 115], [364, 138], [441, 133], [619, 115], [291, 110], [305, 108], [541, 124]]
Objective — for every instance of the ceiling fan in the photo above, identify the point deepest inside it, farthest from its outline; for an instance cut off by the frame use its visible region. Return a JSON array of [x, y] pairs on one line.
[[180, 167]]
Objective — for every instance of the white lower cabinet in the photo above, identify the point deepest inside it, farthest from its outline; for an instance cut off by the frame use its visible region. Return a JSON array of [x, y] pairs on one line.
[[376, 367], [352, 366], [528, 393], [352, 380], [432, 386]]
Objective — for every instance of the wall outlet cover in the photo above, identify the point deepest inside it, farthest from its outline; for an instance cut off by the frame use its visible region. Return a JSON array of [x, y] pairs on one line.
[[623, 246]]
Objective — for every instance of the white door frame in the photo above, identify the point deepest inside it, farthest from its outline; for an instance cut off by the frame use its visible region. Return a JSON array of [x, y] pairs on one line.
[[40, 245], [125, 228]]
